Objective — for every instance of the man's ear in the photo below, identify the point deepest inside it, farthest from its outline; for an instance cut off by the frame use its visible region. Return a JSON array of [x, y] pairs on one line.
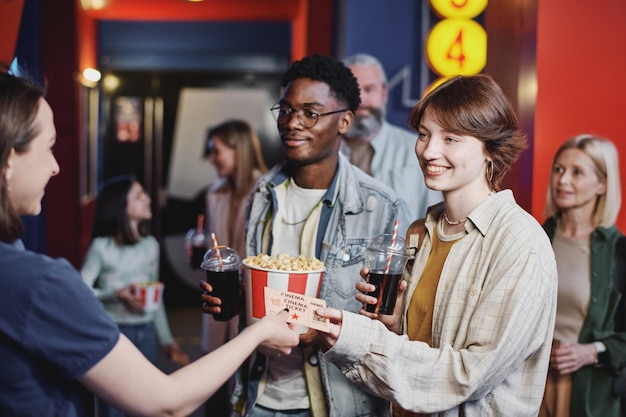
[[345, 121], [7, 171]]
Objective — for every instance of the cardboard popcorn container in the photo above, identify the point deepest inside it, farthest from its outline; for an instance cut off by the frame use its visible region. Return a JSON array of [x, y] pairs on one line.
[[257, 278], [151, 294]]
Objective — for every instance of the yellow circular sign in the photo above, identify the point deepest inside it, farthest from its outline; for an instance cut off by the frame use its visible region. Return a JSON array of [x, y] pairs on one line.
[[457, 46], [468, 9], [434, 85]]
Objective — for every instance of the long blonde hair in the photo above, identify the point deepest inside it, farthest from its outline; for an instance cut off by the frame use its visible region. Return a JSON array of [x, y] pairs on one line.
[[240, 136], [603, 153]]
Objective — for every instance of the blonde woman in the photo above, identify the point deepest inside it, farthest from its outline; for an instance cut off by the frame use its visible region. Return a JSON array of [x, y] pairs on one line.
[[234, 150], [589, 346]]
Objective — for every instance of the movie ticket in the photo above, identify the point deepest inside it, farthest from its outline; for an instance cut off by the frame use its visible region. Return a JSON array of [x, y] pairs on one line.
[[301, 308]]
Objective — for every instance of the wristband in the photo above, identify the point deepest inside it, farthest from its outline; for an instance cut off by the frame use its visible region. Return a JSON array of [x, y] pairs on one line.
[[601, 353]]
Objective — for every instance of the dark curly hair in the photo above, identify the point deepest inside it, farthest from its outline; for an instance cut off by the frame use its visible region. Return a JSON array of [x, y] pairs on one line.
[[342, 83]]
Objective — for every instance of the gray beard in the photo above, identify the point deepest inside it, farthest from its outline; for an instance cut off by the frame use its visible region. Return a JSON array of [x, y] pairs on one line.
[[366, 126]]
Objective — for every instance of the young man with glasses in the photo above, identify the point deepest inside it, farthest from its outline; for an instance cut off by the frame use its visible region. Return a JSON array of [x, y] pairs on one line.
[[316, 204]]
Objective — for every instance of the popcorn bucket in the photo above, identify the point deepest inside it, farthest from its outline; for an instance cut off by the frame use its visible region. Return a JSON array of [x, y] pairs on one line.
[[256, 279], [151, 294]]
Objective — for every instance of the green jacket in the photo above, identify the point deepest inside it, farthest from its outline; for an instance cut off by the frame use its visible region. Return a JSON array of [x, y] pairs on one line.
[[591, 385]]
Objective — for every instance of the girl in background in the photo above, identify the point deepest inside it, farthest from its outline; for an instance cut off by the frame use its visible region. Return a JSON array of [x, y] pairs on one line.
[[121, 255]]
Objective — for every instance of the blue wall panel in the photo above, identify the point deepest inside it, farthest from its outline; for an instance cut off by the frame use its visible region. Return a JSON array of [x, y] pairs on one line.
[[393, 32], [194, 46]]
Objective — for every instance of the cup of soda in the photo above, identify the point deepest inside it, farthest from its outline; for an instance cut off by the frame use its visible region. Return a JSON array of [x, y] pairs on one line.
[[222, 265], [386, 258], [195, 245]]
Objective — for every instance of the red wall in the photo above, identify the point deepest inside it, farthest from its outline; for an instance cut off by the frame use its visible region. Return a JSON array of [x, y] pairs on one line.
[[581, 69], [10, 15]]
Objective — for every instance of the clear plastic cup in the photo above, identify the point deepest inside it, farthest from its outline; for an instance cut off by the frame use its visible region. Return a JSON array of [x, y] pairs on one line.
[[386, 259], [222, 272], [196, 245]]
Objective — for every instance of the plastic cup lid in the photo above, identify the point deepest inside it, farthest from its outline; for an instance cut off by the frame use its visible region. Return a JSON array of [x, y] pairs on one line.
[[226, 260], [383, 242]]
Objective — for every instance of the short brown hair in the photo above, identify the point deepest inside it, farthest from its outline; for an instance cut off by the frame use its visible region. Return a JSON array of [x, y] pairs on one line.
[[476, 106]]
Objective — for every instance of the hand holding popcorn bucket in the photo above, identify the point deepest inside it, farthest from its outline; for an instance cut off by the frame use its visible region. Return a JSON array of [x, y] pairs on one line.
[[284, 272]]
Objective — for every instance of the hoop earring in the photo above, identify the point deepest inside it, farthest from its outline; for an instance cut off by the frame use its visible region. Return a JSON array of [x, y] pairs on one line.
[[489, 170]]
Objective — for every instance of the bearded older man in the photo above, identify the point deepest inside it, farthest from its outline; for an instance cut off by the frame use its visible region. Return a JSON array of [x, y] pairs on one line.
[[384, 151]]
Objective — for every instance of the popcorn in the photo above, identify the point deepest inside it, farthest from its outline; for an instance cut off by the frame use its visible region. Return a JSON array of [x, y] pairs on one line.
[[284, 262]]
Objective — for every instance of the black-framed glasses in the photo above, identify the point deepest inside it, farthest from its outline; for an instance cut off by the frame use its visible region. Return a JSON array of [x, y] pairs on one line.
[[306, 116]]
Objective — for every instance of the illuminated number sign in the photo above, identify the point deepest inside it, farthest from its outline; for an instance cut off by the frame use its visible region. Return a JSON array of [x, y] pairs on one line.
[[456, 45]]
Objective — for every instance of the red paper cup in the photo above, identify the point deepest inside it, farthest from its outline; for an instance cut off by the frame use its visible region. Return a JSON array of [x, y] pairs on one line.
[[256, 279]]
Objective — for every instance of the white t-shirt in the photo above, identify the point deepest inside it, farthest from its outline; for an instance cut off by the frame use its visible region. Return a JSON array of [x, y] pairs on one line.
[[294, 232]]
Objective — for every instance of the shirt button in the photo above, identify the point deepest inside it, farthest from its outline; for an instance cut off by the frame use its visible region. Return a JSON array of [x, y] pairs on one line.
[[346, 257], [473, 292]]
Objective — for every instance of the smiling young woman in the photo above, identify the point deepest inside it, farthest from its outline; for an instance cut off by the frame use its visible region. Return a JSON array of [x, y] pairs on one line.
[[484, 271]]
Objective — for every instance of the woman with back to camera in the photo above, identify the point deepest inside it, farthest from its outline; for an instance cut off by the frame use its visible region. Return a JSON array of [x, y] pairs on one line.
[[583, 202], [57, 341], [123, 255], [235, 151], [473, 335]]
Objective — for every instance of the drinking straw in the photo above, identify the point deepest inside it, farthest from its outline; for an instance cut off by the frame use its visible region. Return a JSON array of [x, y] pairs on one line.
[[393, 242], [217, 250], [200, 223]]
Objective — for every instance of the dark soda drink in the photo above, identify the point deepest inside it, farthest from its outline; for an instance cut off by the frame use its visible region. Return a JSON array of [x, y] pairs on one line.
[[386, 292], [226, 287], [197, 253]]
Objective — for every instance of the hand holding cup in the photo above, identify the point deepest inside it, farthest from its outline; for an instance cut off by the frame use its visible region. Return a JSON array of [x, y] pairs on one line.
[[221, 265], [210, 303], [386, 258], [364, 288]]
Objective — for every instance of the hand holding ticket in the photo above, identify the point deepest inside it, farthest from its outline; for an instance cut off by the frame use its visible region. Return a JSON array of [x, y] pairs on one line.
[[301, 308]]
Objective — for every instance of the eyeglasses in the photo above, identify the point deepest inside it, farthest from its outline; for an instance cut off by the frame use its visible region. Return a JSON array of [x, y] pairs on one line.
[[306, 116]]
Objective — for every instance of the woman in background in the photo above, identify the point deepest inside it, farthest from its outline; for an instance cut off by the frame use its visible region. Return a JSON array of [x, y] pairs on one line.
[[57, 343], [234, 150], [583, 202], [122, 254]]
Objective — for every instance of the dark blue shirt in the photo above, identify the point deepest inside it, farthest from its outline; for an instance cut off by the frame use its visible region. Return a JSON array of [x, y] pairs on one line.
[[52, 331]]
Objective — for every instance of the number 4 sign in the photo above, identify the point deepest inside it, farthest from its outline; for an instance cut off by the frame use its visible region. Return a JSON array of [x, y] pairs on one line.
[[457, 45]]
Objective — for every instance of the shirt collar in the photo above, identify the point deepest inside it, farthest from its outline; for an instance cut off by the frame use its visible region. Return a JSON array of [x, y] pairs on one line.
[[285, 174]]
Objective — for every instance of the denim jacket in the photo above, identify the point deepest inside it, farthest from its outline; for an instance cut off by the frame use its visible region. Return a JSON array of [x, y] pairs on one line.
[[356, 208]]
